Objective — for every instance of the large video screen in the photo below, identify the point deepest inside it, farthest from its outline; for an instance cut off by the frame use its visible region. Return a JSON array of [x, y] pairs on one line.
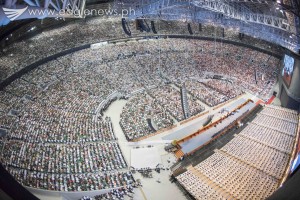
[[288, 68]]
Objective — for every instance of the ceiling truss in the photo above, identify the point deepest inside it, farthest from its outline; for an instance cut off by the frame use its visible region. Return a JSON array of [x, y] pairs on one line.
[[274, 26]]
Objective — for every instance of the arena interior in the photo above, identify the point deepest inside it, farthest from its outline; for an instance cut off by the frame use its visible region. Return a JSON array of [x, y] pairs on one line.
[[149, 99]]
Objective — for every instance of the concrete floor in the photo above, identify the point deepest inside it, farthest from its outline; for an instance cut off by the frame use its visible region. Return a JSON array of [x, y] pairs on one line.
[[151, 190]]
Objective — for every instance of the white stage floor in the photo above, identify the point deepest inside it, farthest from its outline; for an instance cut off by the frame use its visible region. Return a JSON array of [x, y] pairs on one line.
[[145, 157]]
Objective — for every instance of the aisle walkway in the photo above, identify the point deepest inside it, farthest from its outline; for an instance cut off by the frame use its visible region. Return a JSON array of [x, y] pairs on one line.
[[151, 190]]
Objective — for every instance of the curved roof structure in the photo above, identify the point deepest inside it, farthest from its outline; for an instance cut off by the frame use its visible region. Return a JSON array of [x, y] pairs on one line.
[[274, 21]]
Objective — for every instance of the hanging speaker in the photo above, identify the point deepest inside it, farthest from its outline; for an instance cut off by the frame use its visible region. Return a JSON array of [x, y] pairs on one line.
[[190, 29]]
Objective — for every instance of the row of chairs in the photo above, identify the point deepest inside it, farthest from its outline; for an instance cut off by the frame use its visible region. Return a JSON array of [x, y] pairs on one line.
[[236, 177], [198, 188], [265, 158], [250, 166], [272, 138], [281, 113], [276, 124]]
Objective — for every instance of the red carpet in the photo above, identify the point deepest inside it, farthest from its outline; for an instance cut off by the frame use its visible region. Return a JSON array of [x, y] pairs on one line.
[[271, 100], [259, 102]]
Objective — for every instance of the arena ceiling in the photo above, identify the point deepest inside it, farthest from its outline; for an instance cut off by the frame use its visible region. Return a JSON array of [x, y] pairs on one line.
[[276, 21]]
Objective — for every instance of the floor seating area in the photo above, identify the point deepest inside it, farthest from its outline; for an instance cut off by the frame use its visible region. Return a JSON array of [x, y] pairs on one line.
[[281, 113], [55, 107], [72, 158], [71, 182], [252, 164], [198, 189], [70, 35], [207, 95], [272, 138], [136, 112], [260, 156], [59, 126], [224, 87], [275, 123], [170, 98]]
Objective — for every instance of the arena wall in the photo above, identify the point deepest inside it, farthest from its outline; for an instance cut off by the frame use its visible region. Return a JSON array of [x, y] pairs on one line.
[[290, 94]]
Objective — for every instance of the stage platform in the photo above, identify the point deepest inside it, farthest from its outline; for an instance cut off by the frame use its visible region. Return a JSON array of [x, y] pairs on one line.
[[198, 123], [197, 141]]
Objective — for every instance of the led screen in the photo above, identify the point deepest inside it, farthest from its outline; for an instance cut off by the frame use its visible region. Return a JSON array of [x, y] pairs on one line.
[[288, 68]]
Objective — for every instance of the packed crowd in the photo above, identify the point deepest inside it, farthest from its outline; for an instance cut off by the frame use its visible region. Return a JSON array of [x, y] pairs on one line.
[[224, 87], [183, 67], [71, 182], [59, 126], [6, 121], [207, 95], [7, 101], [64, 159], [74, 34], [120, 193], [53, 109], [250, 166], [150, 69], [245, 68], [170, 98], [136, 112], [173, 60]]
